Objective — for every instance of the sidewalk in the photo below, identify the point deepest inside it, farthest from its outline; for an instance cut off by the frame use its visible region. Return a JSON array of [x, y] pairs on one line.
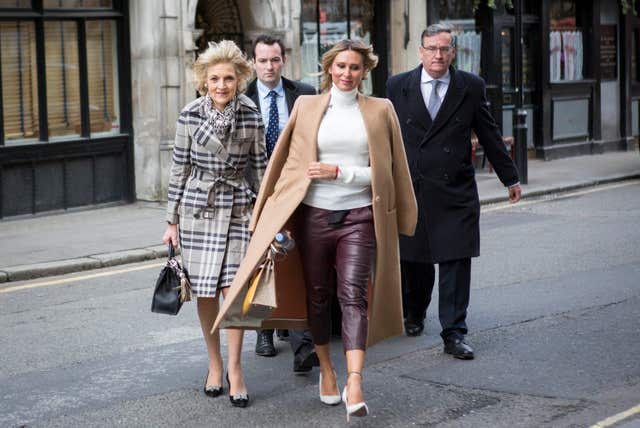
[[89, 239]]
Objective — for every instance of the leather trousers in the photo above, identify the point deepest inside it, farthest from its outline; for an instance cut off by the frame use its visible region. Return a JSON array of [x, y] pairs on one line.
[[346, 251]]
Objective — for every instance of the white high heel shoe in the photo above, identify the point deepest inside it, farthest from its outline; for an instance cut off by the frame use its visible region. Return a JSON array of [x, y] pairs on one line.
[[358, 409], [330, 400]]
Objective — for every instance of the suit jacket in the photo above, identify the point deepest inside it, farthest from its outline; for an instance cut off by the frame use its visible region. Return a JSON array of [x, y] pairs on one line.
[[285, 186], [439, 155], [292, 90]]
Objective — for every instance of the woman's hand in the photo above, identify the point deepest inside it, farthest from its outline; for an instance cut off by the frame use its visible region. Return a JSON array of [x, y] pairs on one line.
[[171, 235], [322, 171]]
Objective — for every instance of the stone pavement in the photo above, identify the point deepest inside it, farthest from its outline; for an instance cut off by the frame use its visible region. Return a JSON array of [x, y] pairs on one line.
[[77, 240]]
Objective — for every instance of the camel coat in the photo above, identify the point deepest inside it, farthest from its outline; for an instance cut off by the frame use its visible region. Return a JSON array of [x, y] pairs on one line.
[[284, 187]]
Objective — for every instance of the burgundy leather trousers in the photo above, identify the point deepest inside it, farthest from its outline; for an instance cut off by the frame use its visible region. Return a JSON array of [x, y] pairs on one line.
[[337, 259]]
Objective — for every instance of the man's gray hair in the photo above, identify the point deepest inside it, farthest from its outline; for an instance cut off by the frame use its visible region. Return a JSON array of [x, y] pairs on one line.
[[435, 29]]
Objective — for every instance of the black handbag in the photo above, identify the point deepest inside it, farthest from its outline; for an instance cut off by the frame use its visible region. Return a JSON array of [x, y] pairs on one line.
[[172, 287]]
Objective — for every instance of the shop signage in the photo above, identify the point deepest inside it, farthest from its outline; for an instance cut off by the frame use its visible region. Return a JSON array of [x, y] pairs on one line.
[[608, 52]]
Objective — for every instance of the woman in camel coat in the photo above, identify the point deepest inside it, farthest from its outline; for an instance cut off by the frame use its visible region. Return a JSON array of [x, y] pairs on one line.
[[291, 179]]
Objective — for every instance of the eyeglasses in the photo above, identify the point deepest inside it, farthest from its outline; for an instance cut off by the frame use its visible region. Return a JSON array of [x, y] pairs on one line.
[[444, 50]]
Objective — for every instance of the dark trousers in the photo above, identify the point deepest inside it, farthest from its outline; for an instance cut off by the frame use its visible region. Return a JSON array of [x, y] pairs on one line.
[[297, 338], [453, 285], [347, 251]]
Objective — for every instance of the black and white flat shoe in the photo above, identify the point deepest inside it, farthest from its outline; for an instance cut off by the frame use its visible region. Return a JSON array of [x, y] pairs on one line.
[[238, 400], [211, 390]]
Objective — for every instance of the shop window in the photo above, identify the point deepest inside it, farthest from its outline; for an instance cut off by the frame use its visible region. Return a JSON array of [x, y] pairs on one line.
[[327, 22], [449, 10], [103, 76], [20, 107], [468, 41], [63, 82], [361, 28], [566, 47], [78, 4], [529, 7], [17, 4], [19, 81]]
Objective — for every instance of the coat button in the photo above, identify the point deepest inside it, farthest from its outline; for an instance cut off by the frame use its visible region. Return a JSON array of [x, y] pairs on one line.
[[447, 150], [377, 199], [446, 177]]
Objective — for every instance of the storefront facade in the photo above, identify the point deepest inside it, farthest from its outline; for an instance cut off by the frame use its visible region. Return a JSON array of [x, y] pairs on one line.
[[80, 78], [65, 117], [579, 60]]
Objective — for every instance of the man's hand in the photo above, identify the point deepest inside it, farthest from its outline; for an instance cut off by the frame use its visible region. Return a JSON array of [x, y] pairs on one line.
[[515, 193]]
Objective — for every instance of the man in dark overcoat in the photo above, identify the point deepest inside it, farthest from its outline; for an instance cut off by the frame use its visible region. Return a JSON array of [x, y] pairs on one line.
[[438, 107], [275, 95]]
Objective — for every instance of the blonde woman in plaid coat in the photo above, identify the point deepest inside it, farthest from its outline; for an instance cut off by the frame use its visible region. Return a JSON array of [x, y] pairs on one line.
[[219, 158]]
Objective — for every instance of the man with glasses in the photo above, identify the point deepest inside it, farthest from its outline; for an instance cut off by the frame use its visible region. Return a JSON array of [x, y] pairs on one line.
[[438, 107], [274, 95]]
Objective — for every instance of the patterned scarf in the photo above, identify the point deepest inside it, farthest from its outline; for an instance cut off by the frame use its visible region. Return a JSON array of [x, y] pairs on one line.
[[221, 121]]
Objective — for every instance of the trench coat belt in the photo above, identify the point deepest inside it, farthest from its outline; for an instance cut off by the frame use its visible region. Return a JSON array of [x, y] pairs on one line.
[[208, 182]]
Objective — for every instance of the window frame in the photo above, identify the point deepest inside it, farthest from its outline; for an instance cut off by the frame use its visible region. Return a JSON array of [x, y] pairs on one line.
[[38, 15], [378, 75]]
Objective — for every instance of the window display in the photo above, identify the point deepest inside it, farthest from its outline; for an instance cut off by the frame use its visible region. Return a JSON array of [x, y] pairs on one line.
[[565, 42], [468, 40], [19, 81]]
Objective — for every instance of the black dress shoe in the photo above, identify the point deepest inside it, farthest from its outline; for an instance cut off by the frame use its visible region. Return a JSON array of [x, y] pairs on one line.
[[211, 390], [458, 348], [264, 344], [282, 335], [413, 327], [237, 400], [305, 359]]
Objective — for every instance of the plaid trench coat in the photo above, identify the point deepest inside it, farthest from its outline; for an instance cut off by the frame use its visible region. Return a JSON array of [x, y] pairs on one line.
[[212, 187]]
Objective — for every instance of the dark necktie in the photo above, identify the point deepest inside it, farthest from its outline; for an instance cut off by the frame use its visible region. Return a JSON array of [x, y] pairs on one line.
[[273, 130], [434, 100]]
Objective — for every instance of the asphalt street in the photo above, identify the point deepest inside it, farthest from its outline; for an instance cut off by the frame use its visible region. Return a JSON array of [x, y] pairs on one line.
[[554, 320]]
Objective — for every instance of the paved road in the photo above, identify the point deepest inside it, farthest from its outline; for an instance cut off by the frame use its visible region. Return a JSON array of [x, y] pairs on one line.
[[555, 320]]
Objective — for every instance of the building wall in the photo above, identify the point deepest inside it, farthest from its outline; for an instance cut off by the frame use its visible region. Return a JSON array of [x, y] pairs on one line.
[[276, 17], [403, 56], [161, 59], [163, 52]]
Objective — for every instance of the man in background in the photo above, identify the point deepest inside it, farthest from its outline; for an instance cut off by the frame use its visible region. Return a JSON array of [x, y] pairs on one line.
[[275, 95], [438, 106]]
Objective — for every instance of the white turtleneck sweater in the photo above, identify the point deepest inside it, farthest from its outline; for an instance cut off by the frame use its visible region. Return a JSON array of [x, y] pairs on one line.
[[342, 141]]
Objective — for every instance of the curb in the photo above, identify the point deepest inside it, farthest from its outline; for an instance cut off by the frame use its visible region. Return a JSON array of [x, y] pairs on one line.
[[562, 189], [103, 260], [95, 261]]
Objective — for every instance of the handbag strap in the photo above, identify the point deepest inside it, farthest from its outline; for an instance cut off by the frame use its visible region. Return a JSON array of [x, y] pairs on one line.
[[171, 251]]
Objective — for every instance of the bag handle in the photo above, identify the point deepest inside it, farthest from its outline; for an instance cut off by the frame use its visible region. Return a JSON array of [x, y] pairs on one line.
[[171, 251]]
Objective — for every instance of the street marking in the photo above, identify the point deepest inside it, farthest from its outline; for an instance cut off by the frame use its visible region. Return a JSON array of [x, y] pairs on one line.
[[555, 197], [77, 278], [617, 418]]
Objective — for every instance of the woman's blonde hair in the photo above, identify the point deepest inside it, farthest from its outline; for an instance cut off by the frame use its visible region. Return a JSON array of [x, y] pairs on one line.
[[369, 59], [225, 51]]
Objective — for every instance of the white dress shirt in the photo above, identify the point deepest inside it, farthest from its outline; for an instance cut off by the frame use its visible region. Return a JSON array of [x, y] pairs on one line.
[[426, 86], [265, 103]]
